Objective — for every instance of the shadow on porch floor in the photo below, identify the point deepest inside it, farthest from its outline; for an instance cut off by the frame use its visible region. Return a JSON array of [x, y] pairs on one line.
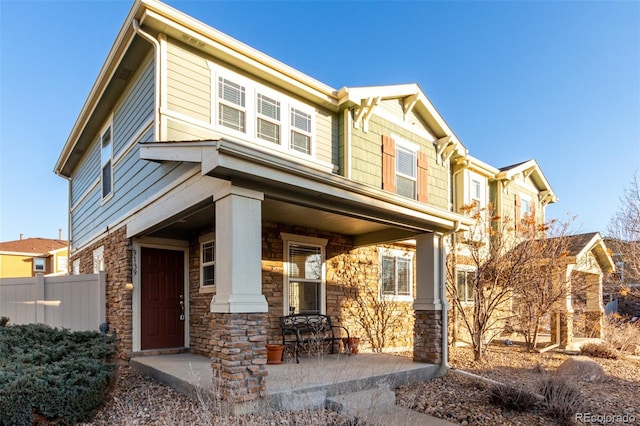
[[292, 386]]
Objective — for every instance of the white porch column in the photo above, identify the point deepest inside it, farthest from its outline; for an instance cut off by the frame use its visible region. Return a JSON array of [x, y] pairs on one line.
[[238, 252], [429, 273]]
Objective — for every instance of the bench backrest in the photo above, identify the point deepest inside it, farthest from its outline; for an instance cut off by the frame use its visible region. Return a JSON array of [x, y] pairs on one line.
[[310, 323]]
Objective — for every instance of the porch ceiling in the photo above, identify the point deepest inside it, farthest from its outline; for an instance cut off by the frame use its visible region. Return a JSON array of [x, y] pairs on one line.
[[195, 221]]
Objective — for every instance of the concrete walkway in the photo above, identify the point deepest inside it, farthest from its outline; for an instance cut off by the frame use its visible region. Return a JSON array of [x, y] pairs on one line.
[[361, 385]]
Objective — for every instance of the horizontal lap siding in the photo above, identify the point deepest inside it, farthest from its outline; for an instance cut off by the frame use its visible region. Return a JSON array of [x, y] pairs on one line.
[[87, 173], [177, 130], [326, 137], [188, 83], [135, 111]]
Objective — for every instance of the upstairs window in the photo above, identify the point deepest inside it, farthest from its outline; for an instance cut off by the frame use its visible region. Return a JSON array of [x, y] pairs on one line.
[[475, 191], [106, 161], [406, 177], [268, 119], [525, 207], [300, 131], [232, 105]]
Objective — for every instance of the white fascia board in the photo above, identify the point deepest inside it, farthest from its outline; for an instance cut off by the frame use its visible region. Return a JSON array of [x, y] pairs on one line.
[[238, 158], [481, 167]]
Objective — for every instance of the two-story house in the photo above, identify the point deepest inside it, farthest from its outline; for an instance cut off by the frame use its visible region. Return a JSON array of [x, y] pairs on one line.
[[221, 189], [27, 257]]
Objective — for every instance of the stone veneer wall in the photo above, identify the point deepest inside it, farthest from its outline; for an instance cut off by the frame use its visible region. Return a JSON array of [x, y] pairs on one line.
[[118, 264], [428, 332]]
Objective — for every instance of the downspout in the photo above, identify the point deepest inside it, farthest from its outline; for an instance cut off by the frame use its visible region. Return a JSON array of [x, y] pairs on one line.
[[444, 363], [156, 48], [69, 205]]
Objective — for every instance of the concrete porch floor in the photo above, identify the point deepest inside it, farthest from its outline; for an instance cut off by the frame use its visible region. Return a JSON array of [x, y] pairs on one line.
[[313, 383]]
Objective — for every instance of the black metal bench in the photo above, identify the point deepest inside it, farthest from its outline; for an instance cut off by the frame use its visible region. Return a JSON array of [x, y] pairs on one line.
[[308, 329]]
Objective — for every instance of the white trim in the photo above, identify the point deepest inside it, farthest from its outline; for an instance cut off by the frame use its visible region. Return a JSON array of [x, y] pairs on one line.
[[204, 239], [467, 269], [287, 240], [165, 244], [402, 254]]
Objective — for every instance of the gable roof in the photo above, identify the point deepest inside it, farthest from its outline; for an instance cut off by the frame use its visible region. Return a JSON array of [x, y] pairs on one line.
[[581, 244], [532, 170], [32, 246]]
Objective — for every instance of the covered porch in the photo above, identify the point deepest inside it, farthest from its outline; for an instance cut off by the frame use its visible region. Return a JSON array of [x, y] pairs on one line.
[[236, 192]]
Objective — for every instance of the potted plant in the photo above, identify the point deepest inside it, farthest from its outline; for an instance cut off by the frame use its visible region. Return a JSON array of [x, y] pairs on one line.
[[351, 344], [274, 353]]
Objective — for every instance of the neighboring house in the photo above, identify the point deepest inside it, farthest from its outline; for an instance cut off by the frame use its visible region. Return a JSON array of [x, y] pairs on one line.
[[30, 256], [221, 189], [624, 284]]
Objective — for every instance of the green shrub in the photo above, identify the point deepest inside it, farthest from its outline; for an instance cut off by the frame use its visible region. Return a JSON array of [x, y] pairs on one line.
[[599, 350], [513, 397], [58, 374]]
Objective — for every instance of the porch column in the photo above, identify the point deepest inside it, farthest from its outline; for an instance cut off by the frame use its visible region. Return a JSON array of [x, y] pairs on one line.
[[562, 317], [239, 324], [427, 339], [594, 314]]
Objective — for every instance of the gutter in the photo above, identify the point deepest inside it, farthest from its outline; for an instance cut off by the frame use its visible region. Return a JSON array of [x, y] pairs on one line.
[[444, 362], [157, 65]]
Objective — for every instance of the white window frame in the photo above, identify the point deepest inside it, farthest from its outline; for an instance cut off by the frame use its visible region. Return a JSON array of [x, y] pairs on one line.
[[76, 267], [224, 102], [413, 149], [98, 260], [467, 271], [204, 240], [276, 121], [472, 193], [252, 90], [106, 160], [396, 254], [40, 261], [525, 212], [291, 239]]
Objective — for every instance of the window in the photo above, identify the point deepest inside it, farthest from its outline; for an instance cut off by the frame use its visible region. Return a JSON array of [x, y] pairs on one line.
[[106, 155], [396, 274], [475, 190], [98, 260], [465, 284], [231, 110], [268, 124], [207, 264], [39, 264], [62, 263], [76, 267], [305, 275], [406, 171], [525, 209], [300, 131]]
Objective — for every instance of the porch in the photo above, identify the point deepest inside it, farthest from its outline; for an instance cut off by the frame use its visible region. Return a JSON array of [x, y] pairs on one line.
[[316, 382]]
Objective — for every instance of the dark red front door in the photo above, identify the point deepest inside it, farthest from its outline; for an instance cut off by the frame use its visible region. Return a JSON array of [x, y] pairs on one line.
[[162, 315]]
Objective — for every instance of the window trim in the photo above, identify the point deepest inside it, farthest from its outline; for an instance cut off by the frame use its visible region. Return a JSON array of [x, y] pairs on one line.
[[252, 90], [525, 199], [44, 264], [202, 240], [414, 149], [397, 254], [103, 164], [466, 270], [293, 239]]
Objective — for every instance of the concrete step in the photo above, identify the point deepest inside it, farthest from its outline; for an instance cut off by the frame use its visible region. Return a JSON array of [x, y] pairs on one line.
[[378, 407]]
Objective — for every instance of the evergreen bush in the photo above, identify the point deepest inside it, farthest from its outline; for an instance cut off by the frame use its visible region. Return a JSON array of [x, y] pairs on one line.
[[60, 375]]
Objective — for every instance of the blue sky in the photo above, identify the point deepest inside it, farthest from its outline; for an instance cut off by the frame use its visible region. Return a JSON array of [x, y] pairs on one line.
[[554, 81]]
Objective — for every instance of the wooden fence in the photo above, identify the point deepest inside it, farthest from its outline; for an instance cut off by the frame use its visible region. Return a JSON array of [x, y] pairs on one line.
[[76, 302]]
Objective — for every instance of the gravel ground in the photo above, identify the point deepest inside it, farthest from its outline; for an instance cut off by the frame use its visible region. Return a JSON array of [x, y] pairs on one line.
[[139, 400], [466, 401]]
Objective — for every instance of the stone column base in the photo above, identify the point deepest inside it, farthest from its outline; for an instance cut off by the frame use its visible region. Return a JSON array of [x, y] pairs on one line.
[[427, 340], [239, 356], [566, 329]]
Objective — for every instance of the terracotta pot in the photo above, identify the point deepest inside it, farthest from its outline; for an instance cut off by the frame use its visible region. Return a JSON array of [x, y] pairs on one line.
[[274, 353], [352, 343]]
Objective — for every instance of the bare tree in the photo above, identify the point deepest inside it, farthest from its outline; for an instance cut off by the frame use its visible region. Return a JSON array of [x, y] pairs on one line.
[[510, 262], [623, 235]]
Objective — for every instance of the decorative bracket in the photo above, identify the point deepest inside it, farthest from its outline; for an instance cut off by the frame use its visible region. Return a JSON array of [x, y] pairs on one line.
[[363, 112], [409, 103]]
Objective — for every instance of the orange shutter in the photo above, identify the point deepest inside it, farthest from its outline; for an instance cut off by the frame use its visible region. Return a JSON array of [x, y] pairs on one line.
[[388, 164], [422, 176], [516, 211]]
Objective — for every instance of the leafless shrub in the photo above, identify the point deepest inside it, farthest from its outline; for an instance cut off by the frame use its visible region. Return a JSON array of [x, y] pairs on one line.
[[513, 397], [623, 335], [562, 399], [599, 350]]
